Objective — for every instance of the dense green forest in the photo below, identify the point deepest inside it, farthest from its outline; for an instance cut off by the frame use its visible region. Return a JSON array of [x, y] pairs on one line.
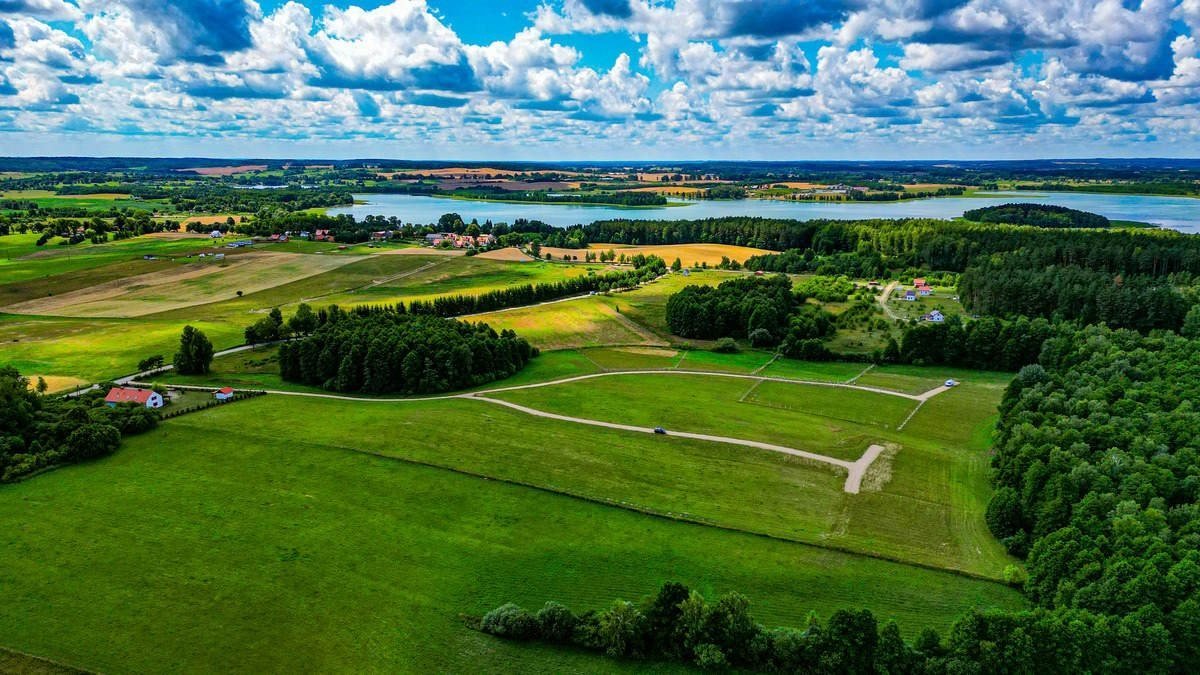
[[1037, 215], [764, 310], [37, 431], [385, 351], [1008, 285]]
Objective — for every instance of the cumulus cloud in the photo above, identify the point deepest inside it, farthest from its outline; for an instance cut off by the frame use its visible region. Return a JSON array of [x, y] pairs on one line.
[[728, 73]]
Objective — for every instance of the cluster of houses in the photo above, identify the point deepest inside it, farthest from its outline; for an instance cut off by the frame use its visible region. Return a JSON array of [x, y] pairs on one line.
[[920, 289], [150, 398], [459, 240]]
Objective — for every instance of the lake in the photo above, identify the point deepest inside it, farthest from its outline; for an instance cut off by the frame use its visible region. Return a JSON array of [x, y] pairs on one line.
[[1179, 213]]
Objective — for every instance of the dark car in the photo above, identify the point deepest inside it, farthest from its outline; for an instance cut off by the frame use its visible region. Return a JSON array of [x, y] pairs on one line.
[[659, 430]]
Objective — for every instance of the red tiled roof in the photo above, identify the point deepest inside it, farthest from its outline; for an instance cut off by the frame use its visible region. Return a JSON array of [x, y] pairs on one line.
[[225, 390], [127, 395]]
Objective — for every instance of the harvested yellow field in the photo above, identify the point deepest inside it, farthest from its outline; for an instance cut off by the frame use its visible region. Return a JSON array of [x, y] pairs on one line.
[[689, 254], [799, 185], [211, 220], [180, 285], [509, 254], [56, 383], [669, 189]]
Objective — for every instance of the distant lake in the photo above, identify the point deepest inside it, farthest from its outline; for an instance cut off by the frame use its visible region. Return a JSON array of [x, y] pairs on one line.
[[1179, 213]]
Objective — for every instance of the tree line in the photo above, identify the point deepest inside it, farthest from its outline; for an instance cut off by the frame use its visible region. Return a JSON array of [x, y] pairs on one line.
[[678, 624], [384, 351]]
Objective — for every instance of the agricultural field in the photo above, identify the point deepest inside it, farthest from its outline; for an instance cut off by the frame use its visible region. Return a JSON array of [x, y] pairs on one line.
[[285, 568], [99, 202], [464, 501]]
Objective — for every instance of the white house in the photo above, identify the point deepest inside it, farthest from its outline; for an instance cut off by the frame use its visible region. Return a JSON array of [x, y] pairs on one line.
[[935, 316], [146, 397], [223, 394]]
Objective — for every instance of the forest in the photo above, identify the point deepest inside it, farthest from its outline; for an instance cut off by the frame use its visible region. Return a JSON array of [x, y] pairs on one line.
[[1008, 285], [764, 310], [384, 351], [1036, 215]]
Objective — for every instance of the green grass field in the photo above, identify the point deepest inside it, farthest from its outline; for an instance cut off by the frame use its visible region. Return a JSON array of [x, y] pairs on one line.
[[311, 534], [294, 551]]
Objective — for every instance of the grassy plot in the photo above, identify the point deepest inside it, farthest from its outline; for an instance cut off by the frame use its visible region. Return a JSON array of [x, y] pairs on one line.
[[786, 415], [51, 259], [96, 349], [584, 322], [283, 568], [461, 275]]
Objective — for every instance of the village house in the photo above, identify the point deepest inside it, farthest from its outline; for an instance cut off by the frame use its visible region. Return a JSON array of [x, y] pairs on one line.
[[322, 235], [379, 236], [935, 316], [924, 291], [910, 296], [146, 397], [215, 234], [919, 281], [223, 394]]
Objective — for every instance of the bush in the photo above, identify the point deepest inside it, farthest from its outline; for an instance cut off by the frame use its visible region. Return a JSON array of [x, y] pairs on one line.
[[726, 345], [510, 621], [556, 623], [92, 440], [710, 657]]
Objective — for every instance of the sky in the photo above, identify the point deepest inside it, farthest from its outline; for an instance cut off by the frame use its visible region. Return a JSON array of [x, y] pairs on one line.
[[601, 79]]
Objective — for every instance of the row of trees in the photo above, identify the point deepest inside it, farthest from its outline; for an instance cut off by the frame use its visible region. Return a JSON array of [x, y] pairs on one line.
[[385, 351], [680, 625], [37, 431]]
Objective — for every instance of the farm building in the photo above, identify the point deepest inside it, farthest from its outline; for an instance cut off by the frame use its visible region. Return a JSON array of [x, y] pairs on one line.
[[215, 234], [223, 394], [241, 243], [379, 236], [146, 397]]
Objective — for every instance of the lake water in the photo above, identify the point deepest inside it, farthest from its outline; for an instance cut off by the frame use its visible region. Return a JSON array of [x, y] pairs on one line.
[[1179, 213]]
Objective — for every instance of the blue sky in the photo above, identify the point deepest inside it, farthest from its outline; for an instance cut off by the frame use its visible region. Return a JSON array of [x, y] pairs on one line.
[[601, 79]]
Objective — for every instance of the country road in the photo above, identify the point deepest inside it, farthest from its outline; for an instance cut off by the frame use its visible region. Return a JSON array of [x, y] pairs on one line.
[[855, 471], [883, 300]]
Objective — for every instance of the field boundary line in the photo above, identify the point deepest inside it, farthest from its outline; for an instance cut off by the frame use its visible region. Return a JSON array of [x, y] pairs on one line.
[[910, 416], [774, 358], [864, 372], [683, 518], [750, 391]]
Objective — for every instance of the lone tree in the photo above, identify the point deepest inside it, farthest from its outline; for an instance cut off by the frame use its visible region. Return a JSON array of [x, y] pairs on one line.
[[195, 352]]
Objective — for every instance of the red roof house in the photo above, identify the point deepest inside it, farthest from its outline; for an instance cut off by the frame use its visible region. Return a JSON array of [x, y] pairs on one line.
[[146, 397], [223, 394]]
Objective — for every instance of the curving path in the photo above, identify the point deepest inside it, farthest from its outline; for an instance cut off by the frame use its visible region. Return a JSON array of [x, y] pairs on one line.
[[855, 471]]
